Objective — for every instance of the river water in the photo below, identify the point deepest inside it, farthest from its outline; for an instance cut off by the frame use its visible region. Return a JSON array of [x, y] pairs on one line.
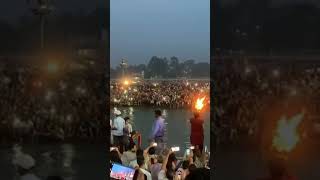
[[71, 161], [178, 126]]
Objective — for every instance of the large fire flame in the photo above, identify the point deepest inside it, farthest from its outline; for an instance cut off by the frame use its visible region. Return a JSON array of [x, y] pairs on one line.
[[126, 82], [199, 103], [287, 136]]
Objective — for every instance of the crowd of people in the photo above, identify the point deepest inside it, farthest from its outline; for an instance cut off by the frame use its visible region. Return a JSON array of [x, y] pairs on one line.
[[170, 93], [152, 166], [40, 104], [157, 161], [241, 96]]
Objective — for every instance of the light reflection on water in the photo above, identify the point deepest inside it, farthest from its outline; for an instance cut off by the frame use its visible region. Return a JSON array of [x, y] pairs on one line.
[[71, 161], [178, 126]]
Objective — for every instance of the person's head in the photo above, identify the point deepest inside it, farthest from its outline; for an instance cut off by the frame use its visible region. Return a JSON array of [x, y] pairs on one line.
[[114, 157], [196, 115], [172, 162], [171, 166], [192, 167], [117, 112], [199, 174], [153, 159], [126, 119], [152, 151], [133, 133], [139, 152], [139, 175], [140, 161], [160, 159], [197, 152], [132, 147], [185, 164], [157, 113]]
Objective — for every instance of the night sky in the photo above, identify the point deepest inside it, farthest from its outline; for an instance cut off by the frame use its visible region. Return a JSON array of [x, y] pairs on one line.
[[277, 2], [141, 29], [11, 10]]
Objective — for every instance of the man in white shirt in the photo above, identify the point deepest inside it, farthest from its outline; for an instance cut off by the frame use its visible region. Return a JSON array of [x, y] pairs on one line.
[[117, 130]]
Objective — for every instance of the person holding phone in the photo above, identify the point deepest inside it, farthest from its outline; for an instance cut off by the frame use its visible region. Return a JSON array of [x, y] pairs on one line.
[[168, 167]]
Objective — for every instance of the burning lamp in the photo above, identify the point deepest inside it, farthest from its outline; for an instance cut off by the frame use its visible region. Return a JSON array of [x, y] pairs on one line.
[[126, 82], [199, 105], [286, 136]]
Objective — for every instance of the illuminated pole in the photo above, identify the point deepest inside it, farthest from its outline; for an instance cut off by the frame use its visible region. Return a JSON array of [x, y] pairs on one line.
[[42, 9], [124, 66]]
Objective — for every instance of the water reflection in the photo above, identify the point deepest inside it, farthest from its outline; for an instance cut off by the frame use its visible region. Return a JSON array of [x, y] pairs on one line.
[[69, 161]]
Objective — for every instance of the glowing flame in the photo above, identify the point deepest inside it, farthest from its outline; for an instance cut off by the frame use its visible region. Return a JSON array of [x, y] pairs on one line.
[[126, 82], [287, 137], [199, 103]]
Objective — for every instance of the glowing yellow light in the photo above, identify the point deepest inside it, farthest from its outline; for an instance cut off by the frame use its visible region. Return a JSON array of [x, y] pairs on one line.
[[199, 103], [287, 137], [126, 82]]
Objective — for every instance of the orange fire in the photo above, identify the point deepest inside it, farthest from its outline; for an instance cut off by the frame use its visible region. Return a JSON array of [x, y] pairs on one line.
[[287, 136], [126, 82], [199, 103]]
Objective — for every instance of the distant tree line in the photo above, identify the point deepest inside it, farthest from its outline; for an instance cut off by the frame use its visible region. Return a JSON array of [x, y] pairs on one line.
[[161, 67]]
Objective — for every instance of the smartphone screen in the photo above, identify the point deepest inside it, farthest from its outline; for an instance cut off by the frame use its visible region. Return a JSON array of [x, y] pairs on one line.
[[119, 171], [188, 151], [175, 149]]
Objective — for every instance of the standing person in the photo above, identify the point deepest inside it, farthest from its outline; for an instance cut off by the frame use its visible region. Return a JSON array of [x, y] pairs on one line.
[[141, 163], [197, 137], [157, 134], [127, 132], [117, 130]]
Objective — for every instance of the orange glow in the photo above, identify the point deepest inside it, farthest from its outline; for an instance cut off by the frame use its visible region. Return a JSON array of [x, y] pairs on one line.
[[126, 82], [287, 136], [199, 103]]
